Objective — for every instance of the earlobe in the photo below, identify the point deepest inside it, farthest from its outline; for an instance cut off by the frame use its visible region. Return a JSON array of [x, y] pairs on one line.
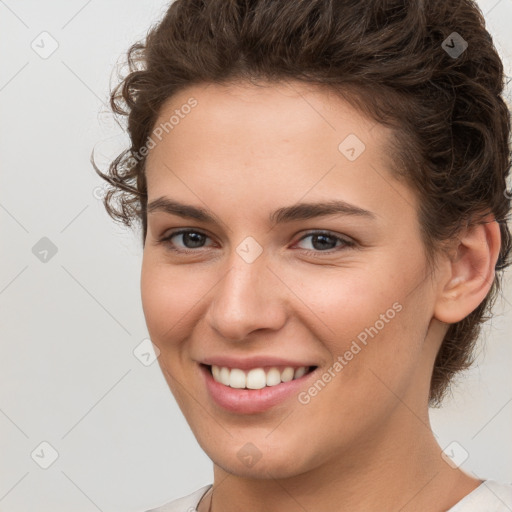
[[471, 271]]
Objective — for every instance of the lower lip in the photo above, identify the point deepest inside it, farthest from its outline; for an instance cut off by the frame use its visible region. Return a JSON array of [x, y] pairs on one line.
[[251, 401]]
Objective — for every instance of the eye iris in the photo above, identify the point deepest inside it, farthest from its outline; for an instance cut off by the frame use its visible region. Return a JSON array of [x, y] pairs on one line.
[[321, 236], [193, 235]]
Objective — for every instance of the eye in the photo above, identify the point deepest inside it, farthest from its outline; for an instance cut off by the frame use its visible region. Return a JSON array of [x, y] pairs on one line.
[[191, 238], [322, 241], [325, 242]]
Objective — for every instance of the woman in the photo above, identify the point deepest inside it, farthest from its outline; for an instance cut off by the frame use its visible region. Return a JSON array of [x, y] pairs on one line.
[[322, 191]]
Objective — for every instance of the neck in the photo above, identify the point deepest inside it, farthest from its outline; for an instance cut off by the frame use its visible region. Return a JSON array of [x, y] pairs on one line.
[[404, 472]]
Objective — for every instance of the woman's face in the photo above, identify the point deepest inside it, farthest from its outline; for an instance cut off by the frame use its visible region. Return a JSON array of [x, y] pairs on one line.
[[264, 279]]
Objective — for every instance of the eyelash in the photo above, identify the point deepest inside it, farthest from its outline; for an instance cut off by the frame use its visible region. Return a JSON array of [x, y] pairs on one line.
[[346, 243]]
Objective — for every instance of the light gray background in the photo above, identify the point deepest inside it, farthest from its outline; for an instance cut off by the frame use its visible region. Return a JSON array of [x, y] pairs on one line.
[[69, 326]]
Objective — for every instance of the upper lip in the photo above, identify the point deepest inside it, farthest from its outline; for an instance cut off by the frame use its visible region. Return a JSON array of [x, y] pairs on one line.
[[253, 362]]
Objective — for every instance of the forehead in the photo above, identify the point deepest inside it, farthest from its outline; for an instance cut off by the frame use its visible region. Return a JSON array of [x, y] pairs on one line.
[[286, 108], [281, 141], [261, 120]]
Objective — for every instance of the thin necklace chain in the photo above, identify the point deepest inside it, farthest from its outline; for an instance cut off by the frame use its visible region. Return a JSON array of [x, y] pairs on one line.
[[210, 506]]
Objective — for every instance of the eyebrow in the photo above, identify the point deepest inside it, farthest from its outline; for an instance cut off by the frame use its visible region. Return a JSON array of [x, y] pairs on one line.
[[300, 211]]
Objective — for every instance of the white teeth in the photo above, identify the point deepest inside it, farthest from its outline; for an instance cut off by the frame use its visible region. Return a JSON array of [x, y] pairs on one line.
[[224, 376], [273, 377], [256, 378], [287, 374], [299, 372], [237, 378]]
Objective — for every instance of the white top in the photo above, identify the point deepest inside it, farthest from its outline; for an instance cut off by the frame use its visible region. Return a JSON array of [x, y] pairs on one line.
[[489, 496]]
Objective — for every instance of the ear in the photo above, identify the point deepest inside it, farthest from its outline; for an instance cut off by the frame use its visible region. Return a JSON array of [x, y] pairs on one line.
[[469, 271]]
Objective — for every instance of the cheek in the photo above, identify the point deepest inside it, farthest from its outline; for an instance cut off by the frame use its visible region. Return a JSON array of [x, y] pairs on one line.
[[373, 317], [153, 292], [346, 301], [174, 299], [167, 296]]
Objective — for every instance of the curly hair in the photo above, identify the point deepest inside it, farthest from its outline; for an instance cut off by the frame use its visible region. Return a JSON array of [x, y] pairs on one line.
[[392, 60]]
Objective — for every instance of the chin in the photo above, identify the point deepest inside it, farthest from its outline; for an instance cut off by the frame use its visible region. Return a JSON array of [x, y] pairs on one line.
[[257, 459]]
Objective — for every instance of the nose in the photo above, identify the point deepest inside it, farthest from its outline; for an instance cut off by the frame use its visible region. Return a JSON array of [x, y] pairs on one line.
[[247, 299]]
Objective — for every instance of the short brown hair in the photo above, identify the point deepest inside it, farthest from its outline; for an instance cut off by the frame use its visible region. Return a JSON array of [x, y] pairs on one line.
[[391, 58]]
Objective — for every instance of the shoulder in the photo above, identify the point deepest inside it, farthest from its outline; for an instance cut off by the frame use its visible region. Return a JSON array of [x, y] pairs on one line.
[[491, 496], [185, 504]]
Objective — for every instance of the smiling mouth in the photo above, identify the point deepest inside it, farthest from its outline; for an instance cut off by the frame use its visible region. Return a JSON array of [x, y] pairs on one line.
[[257, 378]]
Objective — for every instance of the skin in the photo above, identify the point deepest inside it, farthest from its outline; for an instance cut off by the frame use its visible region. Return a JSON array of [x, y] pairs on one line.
[[364, 442]]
